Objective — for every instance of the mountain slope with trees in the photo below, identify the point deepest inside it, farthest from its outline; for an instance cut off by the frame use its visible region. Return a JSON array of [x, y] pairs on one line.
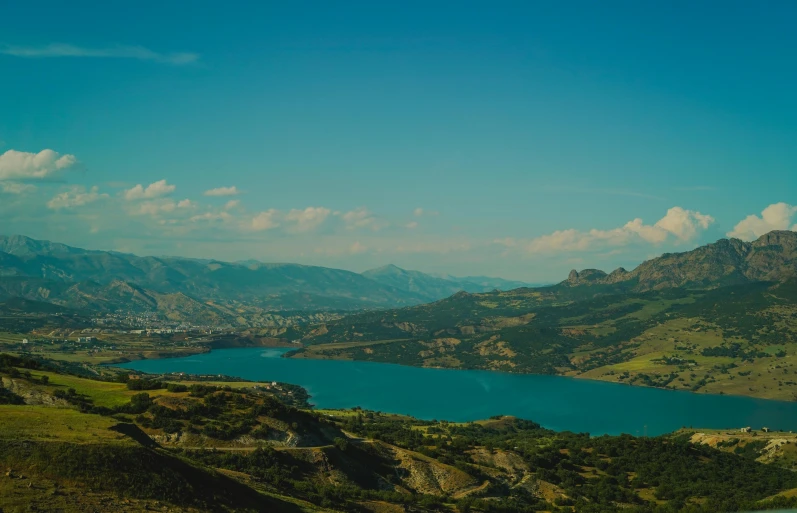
[[715, 319]]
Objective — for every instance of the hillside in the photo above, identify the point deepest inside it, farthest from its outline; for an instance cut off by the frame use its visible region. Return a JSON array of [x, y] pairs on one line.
[[702, 320], [150, 443]]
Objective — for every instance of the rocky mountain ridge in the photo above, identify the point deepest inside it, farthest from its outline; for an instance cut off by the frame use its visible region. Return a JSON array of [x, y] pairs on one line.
[[771, 257]]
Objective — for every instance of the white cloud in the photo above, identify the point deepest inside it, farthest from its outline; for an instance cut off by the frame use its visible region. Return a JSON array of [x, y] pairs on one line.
[[119, 52], [508, 242], [75, 197], [265, 220], [411, 225], [154, 208], [186, 203], [16, 187], [231, 204], [422, 212], [308, 218], [561, 240], [361, 218], [212, 216], [153, 190], [682, 224], [223, 191], [21, 165], [777, 216], [357, 248]]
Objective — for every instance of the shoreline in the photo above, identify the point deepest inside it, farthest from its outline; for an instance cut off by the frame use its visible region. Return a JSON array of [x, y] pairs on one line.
[[575, 377], [559, 411]]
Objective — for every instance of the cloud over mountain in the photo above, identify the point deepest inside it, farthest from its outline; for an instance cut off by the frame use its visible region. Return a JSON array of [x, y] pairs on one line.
[[682, 224], [777, 216]]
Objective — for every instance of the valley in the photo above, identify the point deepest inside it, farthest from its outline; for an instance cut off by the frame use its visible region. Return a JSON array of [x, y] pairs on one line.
[[221, 417]]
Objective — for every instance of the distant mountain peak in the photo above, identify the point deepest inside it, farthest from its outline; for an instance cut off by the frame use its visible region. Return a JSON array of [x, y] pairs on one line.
[[389, 268]]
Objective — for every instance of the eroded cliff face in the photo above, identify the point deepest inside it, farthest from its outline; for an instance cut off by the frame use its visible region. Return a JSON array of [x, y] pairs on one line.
[[30, 394]]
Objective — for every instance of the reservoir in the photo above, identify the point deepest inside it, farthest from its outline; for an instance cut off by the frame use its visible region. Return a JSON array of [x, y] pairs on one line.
[[556, 402]]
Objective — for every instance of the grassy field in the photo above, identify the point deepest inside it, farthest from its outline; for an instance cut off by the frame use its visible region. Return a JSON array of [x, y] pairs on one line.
[[111, 394], [102, 393], [56, 424], [102, 357], [11, 338], [323, 351], [769, 378]]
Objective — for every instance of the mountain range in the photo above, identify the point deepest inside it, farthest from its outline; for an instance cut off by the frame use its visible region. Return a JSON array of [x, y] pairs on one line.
[[185, 288], [179, 287]]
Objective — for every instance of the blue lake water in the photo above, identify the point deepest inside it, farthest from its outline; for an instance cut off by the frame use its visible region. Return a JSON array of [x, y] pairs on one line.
[[556, 402]]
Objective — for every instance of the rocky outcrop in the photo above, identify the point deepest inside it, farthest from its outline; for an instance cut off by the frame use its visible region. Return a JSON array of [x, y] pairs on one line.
[[616, 276], [572, 278], [585, 276], [30, 394]]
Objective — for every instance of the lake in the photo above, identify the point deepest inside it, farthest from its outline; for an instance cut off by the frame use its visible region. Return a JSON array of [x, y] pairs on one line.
[[556, 402]]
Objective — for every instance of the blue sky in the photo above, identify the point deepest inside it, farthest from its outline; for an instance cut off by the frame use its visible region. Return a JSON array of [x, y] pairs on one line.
[[518, 139]]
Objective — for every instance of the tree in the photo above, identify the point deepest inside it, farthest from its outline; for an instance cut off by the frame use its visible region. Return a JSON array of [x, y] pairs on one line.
[[341, 443]]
